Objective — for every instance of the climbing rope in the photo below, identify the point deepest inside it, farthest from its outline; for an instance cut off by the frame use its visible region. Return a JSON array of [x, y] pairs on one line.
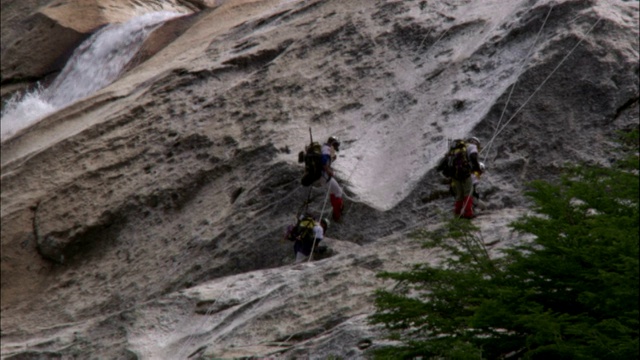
[[498, 131], [504, 109], [315, 236], [513, 86]]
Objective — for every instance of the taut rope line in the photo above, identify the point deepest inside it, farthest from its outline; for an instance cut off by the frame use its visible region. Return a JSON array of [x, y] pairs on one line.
[[513, 86], [498, 131]]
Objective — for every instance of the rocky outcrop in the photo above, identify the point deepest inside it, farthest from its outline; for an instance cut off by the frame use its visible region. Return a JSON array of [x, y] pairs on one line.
[[34, 55], [41, 38], [145, 221]]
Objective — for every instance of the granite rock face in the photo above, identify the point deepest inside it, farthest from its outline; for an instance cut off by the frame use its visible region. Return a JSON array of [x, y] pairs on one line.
[[38, 37], [146, 220]]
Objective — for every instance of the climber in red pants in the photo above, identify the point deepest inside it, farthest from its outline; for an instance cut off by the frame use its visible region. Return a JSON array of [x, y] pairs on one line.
[[329, 150]]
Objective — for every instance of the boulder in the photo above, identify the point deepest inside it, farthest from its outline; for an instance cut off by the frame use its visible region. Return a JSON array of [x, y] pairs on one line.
[[46, 36]]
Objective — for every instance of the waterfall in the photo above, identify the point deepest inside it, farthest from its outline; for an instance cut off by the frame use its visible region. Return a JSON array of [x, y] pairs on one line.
[[96, 63]]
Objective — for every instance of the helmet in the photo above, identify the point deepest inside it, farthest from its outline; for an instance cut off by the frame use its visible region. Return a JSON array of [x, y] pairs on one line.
[[324, 223], [474, 140], [334, 142]]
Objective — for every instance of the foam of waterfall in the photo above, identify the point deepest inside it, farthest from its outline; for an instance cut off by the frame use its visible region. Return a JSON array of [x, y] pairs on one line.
[[96, 63]]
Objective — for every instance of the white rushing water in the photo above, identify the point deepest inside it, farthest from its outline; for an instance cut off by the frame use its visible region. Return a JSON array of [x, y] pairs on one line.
[[96, 63]]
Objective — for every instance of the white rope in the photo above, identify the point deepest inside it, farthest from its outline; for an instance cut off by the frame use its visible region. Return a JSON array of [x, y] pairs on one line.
[[498, 131], [513, 86], [315, 235]]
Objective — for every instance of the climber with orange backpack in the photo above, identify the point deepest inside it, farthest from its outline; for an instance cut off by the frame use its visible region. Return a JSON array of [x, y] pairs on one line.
[[458, 165]]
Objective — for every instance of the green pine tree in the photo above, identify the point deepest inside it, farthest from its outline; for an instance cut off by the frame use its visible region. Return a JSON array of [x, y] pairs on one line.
[[570, 293]]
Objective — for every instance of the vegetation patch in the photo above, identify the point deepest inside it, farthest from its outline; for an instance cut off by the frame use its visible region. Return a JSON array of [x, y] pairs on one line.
[[570, 293]]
